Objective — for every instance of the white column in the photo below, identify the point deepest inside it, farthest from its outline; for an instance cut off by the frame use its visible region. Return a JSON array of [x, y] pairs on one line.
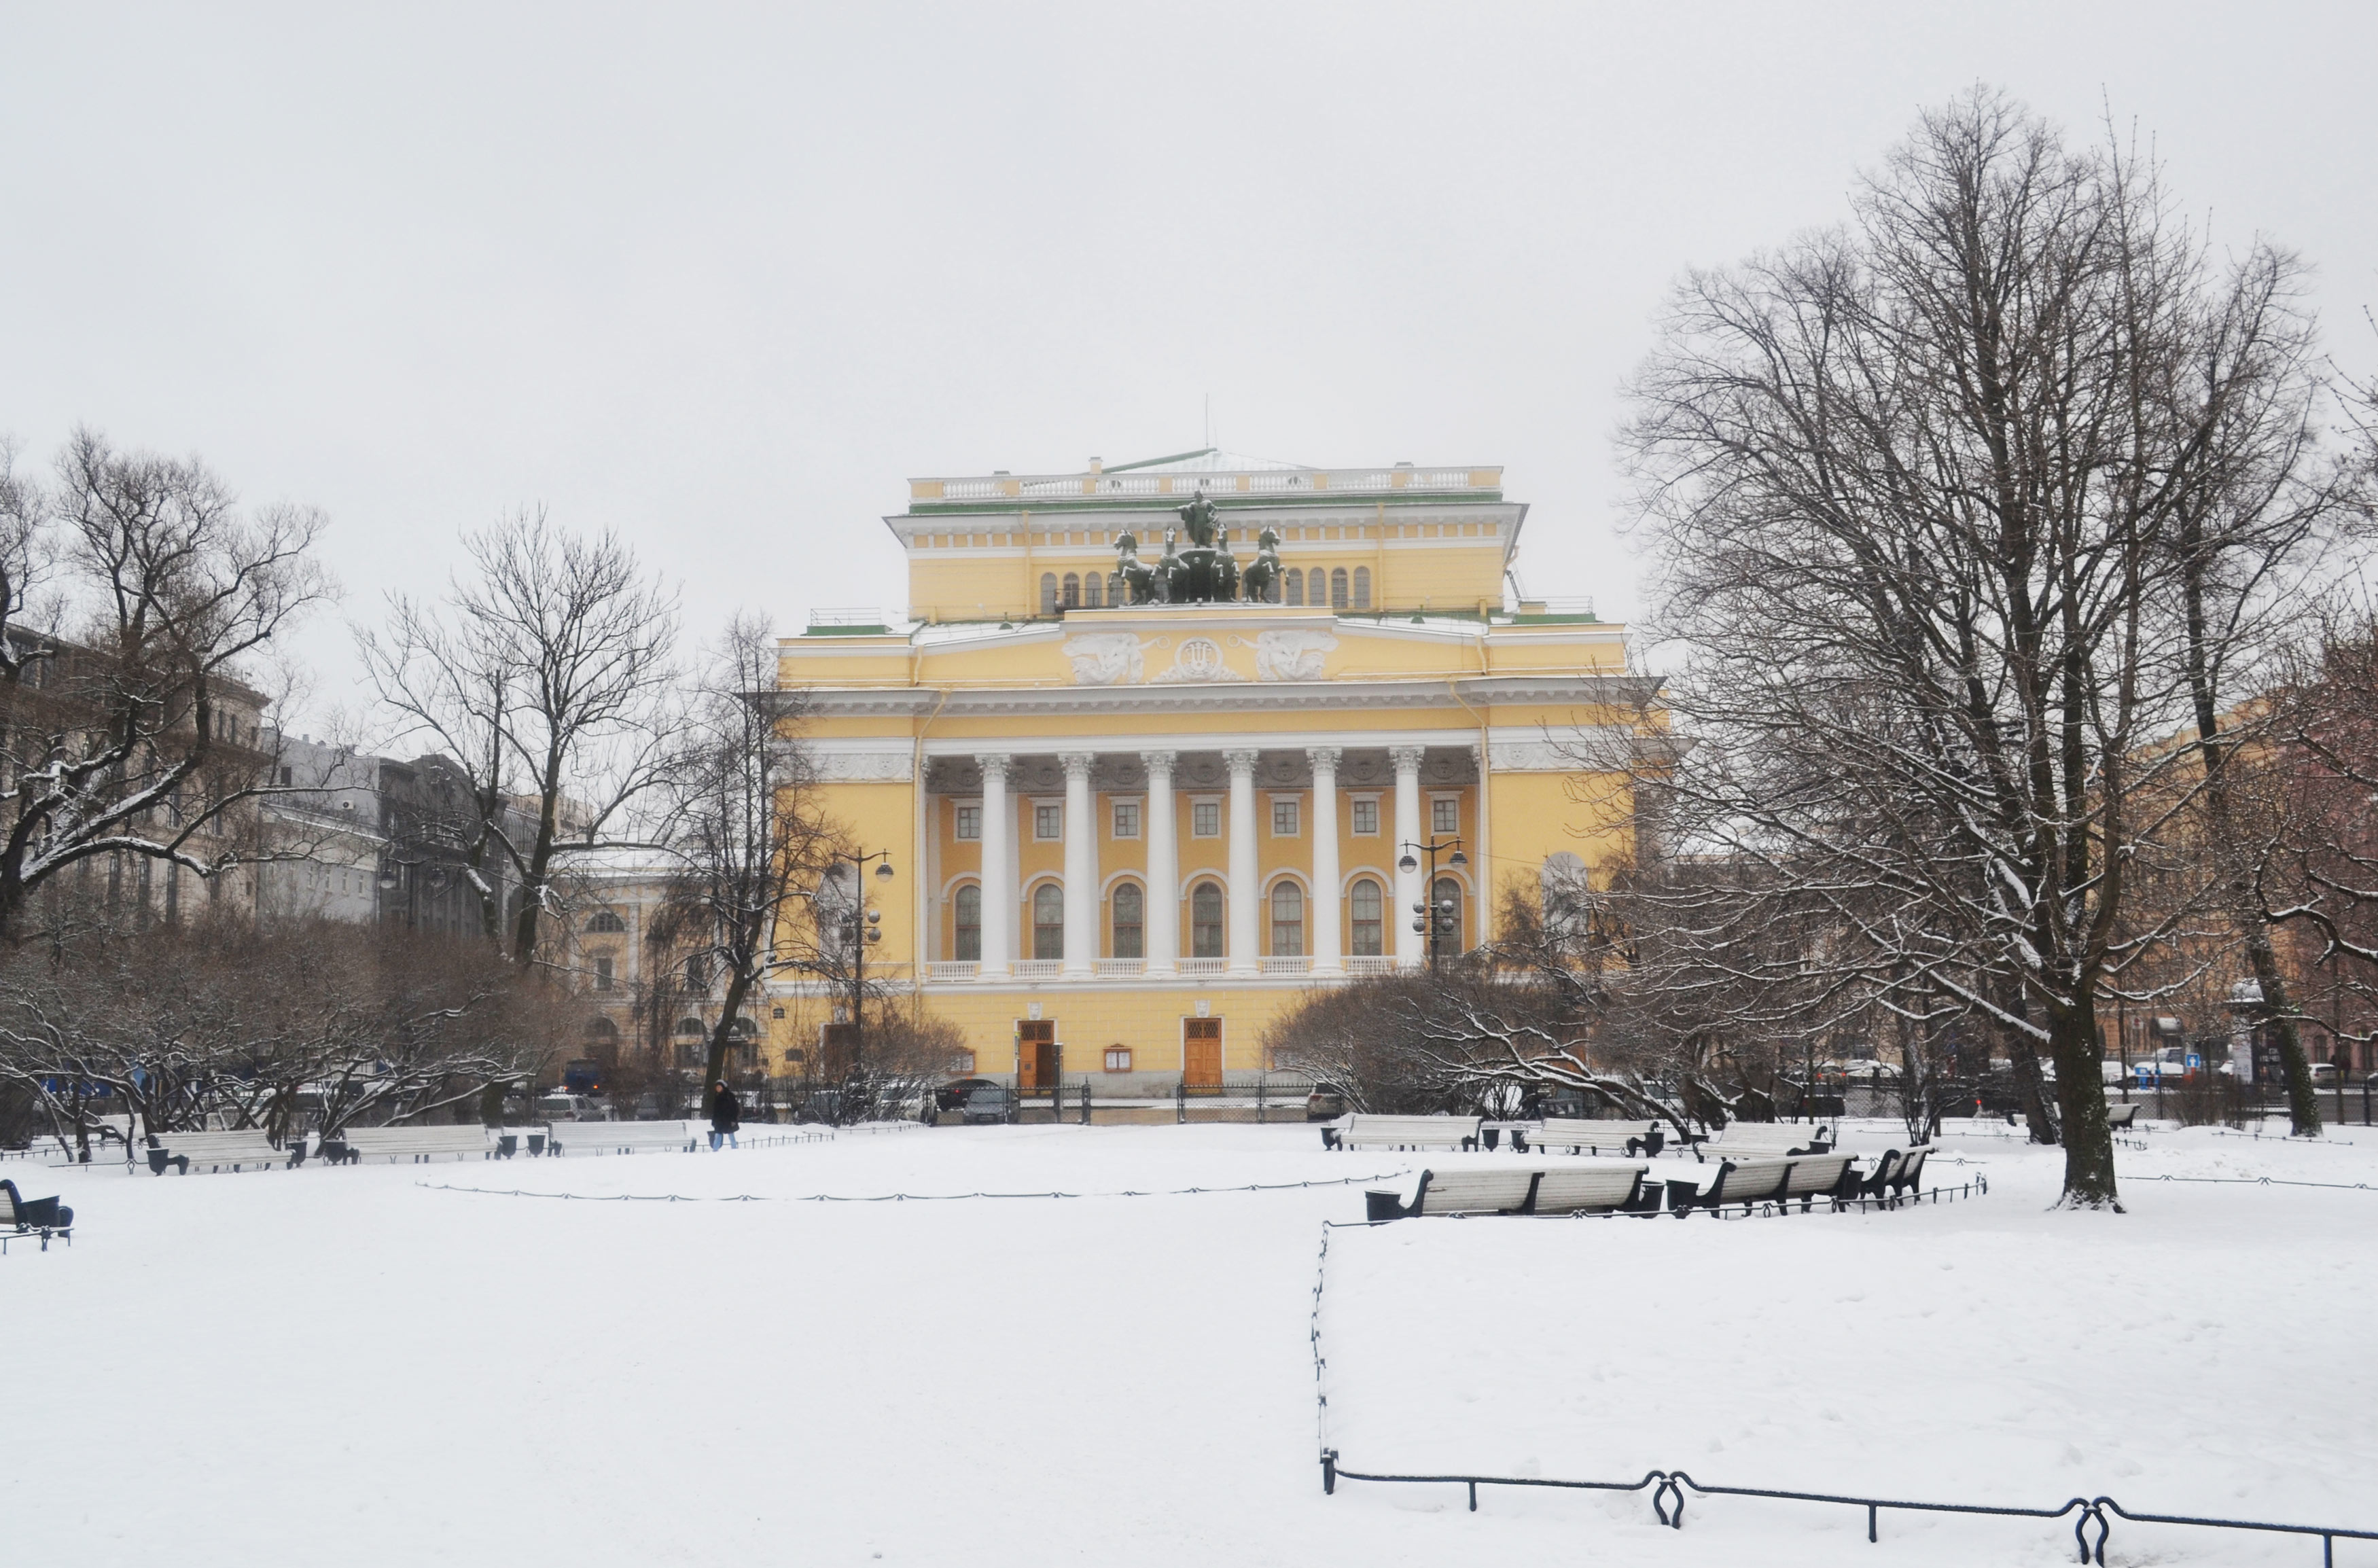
[[1161, 936], [1081, 866], [1245, 895], [1321, 913], [1411, 947], [998, 867]]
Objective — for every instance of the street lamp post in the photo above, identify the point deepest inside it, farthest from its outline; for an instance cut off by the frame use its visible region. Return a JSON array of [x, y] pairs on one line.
[[857, 927], [1438, 920]]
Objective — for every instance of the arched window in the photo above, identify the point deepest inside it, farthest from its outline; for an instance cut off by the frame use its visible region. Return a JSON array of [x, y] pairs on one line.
[[1368, 927], [1295, 585], [1049, 921], [1362, 588], [1567, 896], [603, 923], [690, 1028], [1337, 588], [1048, 593], [969, 924], [1129, 908], [1287, 921], [1448, 892], [601, 1030], [1072, 591], [1093, 590], [742, 1028], [1205, 920], [1114, 589]]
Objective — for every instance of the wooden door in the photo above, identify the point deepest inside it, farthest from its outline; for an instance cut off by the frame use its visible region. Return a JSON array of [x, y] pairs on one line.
[[1036, 1055], [1201, 1054]]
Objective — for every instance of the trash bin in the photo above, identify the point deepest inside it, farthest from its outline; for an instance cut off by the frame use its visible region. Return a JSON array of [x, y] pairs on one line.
[[1377, 1206]]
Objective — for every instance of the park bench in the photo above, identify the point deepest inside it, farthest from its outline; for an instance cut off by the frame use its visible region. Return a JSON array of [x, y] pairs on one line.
[[1657, 1136], [624, 1137], [1505, 1189], [1752, 1182], [21, 1216], [1359, 1131], [1768, 1139], [248, 1149], [351, 1145], [1820, 1175], [1909, 1173], [1573, 1135], [2121, 1116]]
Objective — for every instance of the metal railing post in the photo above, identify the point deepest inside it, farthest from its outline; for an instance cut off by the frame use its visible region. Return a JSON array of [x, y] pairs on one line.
[[1180, 1101]]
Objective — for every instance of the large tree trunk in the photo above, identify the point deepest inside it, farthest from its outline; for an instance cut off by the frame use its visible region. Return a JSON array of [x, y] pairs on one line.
[[2078, 1055]]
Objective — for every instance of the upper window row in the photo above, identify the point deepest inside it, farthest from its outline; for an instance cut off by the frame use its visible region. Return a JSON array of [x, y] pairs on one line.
[[1333, 586]]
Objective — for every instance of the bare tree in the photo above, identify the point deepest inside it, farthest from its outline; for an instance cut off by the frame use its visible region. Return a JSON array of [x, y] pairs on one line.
[[1920, 490], [743, 831], [121, 739], [546, 675]]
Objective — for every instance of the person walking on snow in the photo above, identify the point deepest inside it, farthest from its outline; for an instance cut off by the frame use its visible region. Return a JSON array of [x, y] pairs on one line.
[[726, 1116]]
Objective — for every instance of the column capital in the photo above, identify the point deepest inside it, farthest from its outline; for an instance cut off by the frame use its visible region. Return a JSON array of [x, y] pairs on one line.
[[1324, 759], [1077, 764], [995, 762], [1159, 762], [1241, 762], [1407, 759]]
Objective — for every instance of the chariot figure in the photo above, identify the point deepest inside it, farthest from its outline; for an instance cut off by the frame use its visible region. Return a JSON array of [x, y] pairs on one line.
[[1223, 584], [1198, 517]]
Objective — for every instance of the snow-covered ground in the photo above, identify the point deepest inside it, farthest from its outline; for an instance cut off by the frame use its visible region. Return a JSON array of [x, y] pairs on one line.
[[367, 1366]]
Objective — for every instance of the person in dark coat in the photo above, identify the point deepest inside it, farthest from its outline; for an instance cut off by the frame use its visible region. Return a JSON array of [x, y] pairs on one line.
[[726, 1115]]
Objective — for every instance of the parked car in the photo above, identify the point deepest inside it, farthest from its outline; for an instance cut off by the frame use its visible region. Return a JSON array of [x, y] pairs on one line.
[[991, 1104], [952, 1095], [1326, 1102]]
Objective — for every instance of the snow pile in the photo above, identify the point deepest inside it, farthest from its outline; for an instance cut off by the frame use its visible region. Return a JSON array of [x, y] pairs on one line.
[[353, 1363]]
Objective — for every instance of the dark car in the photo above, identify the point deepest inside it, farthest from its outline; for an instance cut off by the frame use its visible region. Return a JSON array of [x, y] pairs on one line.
[[991, 1104], [1326, 1103], [952, 1094]]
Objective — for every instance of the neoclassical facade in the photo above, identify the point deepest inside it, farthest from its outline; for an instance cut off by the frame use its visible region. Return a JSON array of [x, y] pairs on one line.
[[1126, 835]]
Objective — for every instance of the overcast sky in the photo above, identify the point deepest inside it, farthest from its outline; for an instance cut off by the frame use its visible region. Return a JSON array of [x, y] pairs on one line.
[[723, 278]]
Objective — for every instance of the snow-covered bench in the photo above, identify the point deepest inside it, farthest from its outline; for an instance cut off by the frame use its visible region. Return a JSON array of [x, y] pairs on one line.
[[414, 1144], [248, 1149], [2122, 1115], [1896, 1177], [1573, 1135], [1768, 1139], [1506, 1189], [1359, 1131], [623, 1137], [21, 1216]]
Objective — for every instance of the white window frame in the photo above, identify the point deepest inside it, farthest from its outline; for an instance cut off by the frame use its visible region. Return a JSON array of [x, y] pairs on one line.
[[1436, 801], [959, 809], [1295, 804], [1047, 803], [1115, 802], [1355, 816], [1213, 800]]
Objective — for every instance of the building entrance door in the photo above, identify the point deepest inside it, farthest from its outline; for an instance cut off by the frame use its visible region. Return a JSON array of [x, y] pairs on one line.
[[1201, 1055], [1036, 1055]]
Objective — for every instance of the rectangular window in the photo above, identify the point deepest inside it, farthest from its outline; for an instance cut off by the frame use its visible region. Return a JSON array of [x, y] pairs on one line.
[[1444, 815], [1126, 819], [1205, 819], [962, 1063], [1366, 816], [969, 822], [603, 972], [1283, 819], [1118, 1061], [1048, 822]]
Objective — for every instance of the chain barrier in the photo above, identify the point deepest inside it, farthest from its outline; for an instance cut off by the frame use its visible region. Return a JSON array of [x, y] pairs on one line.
[[1668, 1487], [2261, 1181]]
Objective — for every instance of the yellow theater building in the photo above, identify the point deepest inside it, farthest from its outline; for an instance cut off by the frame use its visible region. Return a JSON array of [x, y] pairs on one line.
[[1129, 833]]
